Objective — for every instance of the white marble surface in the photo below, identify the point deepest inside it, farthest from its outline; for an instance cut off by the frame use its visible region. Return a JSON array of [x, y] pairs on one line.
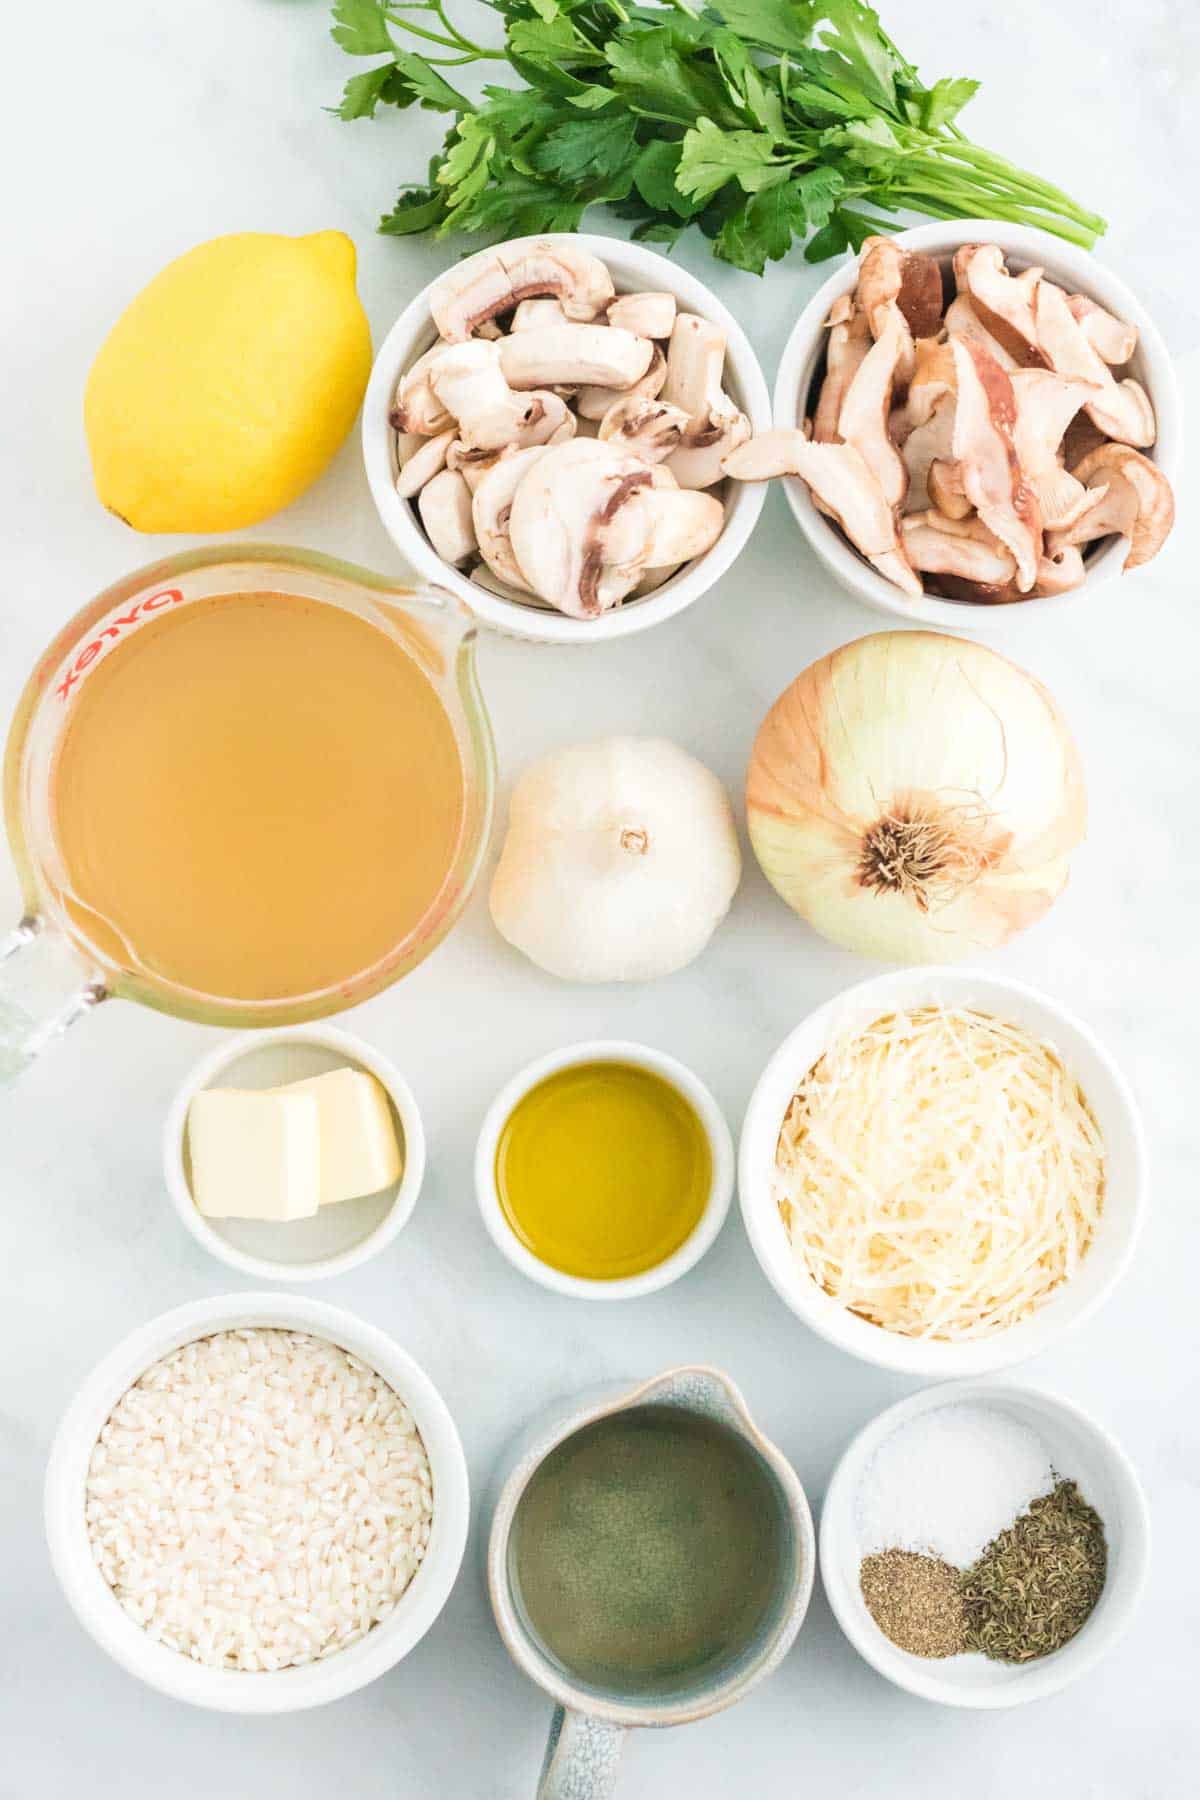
[[133, 129]]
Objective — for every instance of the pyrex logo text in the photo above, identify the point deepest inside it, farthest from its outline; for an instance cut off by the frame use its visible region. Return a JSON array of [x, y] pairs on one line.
[[89, 653]]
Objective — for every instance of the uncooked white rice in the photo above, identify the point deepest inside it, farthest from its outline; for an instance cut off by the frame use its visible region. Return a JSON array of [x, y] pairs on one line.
[[259, 1499]]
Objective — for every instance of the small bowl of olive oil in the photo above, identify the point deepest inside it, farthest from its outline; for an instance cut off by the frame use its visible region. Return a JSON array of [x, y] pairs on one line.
[[604, 1170]]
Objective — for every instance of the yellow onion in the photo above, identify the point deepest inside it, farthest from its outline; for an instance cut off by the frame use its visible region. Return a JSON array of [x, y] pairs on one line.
[[916, 797]]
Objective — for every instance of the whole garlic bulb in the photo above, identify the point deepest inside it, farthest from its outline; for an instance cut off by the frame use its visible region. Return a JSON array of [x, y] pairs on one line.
[[620, 861]]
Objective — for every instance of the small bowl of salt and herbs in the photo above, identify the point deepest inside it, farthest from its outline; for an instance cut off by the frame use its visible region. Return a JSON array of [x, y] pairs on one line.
[[983, 1544]]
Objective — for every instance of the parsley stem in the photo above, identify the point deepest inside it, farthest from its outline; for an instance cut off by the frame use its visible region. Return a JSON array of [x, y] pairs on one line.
[[456, 40]]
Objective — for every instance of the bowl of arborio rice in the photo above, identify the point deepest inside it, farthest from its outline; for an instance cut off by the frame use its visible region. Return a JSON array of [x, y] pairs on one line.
[[257, 1503]]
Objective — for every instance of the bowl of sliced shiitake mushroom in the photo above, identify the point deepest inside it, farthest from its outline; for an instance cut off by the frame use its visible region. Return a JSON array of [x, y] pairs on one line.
[[545, 429], [972, 415]]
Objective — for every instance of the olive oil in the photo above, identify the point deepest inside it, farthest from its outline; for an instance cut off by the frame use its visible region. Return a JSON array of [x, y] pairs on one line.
[[648, 1551], [603, 1170]]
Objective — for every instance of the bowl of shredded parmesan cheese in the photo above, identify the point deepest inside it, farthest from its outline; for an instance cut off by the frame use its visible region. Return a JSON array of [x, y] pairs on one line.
[[941, 1171]]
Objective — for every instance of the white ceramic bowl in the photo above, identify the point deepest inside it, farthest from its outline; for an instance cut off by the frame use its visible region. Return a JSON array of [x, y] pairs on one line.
[[1080, 1450], [227, 1690], [633, 268], [704, 1232], [1071, 268], [338, 1237], [1108, 1095]]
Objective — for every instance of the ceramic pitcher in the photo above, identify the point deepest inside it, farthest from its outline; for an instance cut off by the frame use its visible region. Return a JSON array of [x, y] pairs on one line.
[[588, 1727]]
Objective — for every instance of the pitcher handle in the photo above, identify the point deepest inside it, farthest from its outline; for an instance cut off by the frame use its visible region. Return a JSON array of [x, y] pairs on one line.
[[581, 1757], [44, 987]]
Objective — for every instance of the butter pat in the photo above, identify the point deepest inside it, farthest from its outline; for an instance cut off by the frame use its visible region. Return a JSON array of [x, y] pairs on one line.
[[255, 1155], [359, 1151]]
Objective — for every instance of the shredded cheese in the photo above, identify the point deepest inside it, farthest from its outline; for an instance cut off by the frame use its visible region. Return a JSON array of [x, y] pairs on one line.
[[940, 1173]]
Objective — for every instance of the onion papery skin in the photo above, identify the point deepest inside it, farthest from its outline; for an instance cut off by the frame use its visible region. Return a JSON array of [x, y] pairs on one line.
[[952, 749]]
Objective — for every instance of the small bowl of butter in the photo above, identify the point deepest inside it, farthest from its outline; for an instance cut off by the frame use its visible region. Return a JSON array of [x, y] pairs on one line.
[[294, 1154]]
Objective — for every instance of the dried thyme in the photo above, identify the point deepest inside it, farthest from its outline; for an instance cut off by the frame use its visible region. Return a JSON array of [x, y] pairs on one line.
[[916, 1601], [1036, 1584]]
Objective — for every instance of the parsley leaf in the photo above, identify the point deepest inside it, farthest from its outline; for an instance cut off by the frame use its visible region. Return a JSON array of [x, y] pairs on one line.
[[362, 93], [711, 157], [655, 174], [654, 79], [945, 100], [589, 150], [361, 27], [417, 209]]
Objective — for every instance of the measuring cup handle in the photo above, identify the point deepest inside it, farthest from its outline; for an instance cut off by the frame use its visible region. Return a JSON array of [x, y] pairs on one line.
[[44, 988], [581, 1757]]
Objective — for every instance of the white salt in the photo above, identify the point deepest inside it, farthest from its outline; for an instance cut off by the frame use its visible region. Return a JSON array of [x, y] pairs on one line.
[[949, 1481]]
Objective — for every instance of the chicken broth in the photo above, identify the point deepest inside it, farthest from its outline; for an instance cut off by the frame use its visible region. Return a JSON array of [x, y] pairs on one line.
[[647, 1550], [258, 796]]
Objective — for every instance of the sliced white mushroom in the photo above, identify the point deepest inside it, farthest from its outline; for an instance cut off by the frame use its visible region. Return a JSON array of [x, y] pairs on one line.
[[560, 515], [696, 368], [984, 416], [695, 372], [592, 402], [962, 321], [491, 583], [928, 443], [1121, 410], [890, 276], [863, 420], [1110, 337], [576, 356], [1003, 304], [423, 463], [660, 528], [946, 491], [416, 409], [496, 281], [473, 465], [651, 427], [648, 315], [1046, 404], [841, 484], [407, 444], [490, 415], [536, 315], [701, 464], [589, 519], [469, 381], [445, 508], [1132, 499], [490, 512], [848, 343], [653, 579], [934, 547]]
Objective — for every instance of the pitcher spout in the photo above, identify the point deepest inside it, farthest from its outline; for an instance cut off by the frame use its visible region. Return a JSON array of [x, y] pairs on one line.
[[699, 1388]]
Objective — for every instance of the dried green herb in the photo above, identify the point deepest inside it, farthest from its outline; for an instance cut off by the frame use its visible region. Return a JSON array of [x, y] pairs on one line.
[[1037, 1583], [916, 1601]]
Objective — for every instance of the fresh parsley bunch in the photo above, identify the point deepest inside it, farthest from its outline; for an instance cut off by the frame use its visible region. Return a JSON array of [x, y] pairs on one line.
[[763, 122]]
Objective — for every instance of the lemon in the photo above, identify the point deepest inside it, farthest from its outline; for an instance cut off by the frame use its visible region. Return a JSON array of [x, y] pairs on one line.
[[225, 388]]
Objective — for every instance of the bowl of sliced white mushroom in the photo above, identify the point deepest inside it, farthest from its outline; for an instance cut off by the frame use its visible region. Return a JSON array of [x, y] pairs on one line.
[[544, 433], [971, 415]]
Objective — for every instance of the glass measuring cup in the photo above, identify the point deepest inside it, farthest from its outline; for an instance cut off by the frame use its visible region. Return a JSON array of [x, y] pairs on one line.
[[51, 970]]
